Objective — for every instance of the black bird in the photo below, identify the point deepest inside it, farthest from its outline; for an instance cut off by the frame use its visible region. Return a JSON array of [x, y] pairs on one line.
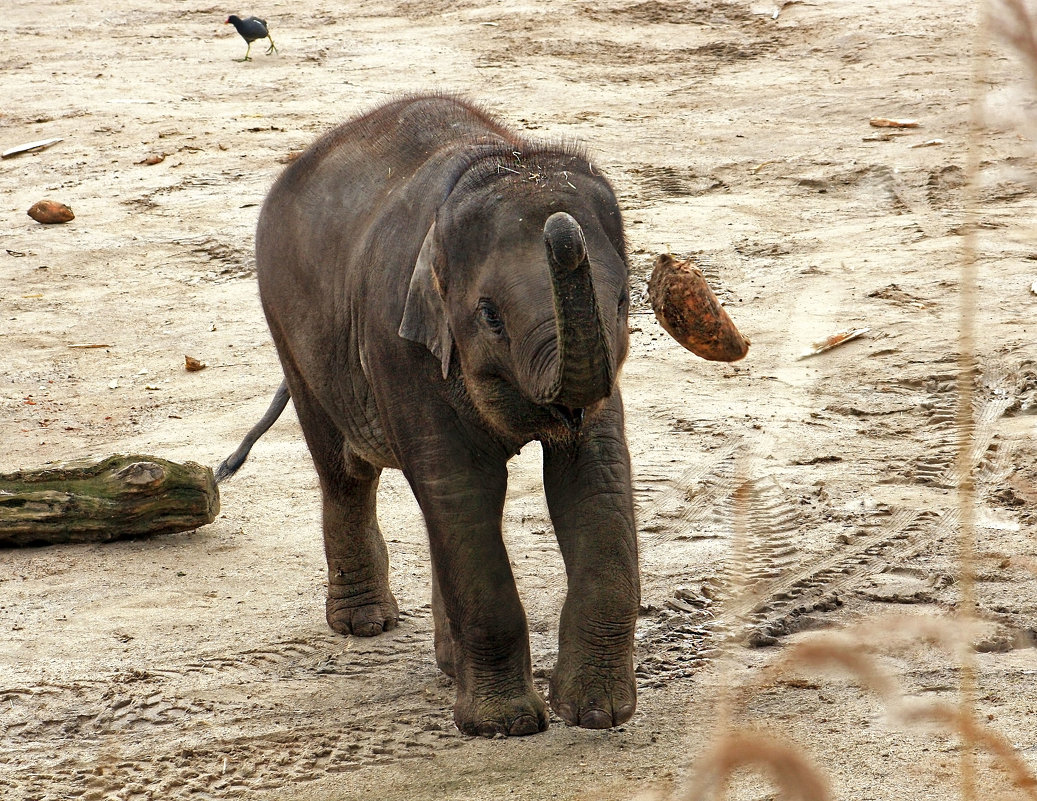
[[251, 28]]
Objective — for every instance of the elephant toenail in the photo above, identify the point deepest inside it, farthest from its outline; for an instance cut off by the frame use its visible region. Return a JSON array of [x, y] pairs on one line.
[[566, 713], [624, 714], [526, 724], [596, 719], [488, 729]]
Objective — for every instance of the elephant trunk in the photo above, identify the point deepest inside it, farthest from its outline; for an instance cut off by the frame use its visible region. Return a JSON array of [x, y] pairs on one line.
[[584, 369]]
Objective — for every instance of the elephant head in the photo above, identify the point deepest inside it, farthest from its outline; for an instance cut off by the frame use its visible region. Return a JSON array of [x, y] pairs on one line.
[[533, 302]]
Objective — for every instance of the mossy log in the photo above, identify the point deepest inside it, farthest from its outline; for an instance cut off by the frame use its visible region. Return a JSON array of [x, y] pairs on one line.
[[98, 501]]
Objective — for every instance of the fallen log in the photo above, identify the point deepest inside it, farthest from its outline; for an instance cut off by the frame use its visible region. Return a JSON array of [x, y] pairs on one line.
[[99, 501]]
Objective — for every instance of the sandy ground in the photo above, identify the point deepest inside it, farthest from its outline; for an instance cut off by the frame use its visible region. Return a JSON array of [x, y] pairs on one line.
[[199, 665]]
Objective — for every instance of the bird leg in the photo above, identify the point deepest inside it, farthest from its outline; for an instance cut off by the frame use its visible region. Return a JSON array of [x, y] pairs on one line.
[[272, 48], [247, 49]]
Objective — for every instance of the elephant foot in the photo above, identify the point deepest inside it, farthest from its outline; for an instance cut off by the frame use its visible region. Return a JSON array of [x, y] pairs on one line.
[[592, 697], [346, 616], [512, 717]]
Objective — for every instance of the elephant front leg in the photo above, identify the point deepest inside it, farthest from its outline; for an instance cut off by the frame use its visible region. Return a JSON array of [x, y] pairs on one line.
[[481, 633], [587, 483]]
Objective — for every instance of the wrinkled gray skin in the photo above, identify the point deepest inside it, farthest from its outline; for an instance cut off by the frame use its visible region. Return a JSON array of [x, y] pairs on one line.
[[441, 292]]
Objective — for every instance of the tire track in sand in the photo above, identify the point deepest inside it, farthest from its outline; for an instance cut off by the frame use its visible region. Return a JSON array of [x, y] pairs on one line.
[[782, 596]]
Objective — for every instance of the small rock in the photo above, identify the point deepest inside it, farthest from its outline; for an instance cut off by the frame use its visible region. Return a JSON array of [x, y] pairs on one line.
[[50, 212], [679, 605]]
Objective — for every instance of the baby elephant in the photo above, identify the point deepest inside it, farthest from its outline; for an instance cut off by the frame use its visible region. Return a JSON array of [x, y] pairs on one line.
[[441, 292]]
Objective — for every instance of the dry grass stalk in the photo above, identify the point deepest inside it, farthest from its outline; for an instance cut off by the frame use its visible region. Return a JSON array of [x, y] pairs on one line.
[[964, 415], [795, 776], [890, 631], [1025, 562], [737, 589], [851, 651], [836, 651], [1012, 22], [884, 632], [971, 732], [791, 772], [851, 655]]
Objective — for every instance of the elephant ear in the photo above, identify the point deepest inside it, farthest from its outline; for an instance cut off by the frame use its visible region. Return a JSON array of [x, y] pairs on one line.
[[424, 316]]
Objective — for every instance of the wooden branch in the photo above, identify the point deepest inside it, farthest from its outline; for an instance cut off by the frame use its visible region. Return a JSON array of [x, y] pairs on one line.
[[115, 498]]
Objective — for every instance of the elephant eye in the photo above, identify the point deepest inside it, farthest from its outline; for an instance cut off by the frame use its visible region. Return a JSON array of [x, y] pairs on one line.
[[623, 297], [491, 315]]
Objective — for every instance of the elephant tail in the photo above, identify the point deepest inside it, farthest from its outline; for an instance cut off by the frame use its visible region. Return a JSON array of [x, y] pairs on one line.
[[230, 465]]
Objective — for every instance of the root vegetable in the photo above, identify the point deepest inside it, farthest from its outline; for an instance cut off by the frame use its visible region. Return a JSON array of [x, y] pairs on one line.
[[689, 311], [50, 212]]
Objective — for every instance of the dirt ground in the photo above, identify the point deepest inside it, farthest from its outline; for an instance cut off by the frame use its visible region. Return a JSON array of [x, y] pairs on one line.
[[200, 666]]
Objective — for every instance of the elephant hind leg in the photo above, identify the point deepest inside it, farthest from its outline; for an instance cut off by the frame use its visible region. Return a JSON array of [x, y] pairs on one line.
[[359, 600]]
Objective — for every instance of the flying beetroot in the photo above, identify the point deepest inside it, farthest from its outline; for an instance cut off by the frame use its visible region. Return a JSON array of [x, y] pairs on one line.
[[689, 312]]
